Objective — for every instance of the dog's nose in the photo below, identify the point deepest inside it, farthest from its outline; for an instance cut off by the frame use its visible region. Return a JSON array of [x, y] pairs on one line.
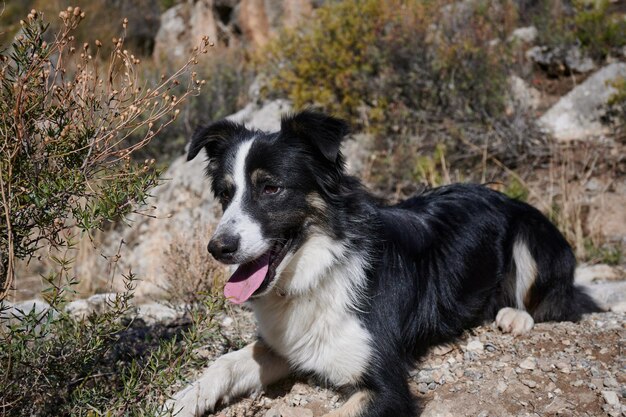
[[223, 247]]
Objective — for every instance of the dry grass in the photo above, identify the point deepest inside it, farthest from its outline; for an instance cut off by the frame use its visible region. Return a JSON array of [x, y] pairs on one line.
[[192, 272]]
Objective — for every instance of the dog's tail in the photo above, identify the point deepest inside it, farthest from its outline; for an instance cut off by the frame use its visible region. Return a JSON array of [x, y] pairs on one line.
[[544, 272]]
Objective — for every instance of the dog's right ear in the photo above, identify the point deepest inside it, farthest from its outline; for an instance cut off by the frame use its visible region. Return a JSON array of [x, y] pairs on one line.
[[213, 138]]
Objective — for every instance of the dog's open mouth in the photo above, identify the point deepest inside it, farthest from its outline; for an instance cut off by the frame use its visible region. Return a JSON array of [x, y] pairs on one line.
[[253, 277]]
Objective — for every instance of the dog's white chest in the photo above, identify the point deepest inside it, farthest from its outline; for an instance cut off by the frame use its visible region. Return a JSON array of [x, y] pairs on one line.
[[317, 333]]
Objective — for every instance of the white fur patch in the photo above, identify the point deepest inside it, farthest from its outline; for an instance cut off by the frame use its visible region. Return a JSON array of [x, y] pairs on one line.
[[235, 220], [234, 374], [514, 321], [312, 323], [525, 272]]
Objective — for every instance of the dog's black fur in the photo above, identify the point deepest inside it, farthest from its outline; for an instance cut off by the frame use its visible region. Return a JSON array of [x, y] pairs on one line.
[[437, 263]]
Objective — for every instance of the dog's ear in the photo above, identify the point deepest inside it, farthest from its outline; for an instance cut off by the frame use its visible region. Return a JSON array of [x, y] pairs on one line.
[[213, 137], [325, 133]]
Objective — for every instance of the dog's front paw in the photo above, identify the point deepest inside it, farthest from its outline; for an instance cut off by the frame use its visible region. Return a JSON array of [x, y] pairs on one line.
[[203, 394], [516, 322]]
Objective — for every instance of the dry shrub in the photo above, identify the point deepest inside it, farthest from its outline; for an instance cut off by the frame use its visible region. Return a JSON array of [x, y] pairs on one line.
[[66, 120], [192, 272], [416, 75]]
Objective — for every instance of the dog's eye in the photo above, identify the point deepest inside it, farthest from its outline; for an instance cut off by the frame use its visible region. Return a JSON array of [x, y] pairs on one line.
[[225, 196], [270, 189]]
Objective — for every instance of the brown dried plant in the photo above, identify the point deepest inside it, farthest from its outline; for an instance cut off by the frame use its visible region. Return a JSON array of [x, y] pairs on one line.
[[69, 121]]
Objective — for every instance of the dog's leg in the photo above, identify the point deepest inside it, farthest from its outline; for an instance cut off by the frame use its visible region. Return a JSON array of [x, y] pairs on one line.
[[514, 321], [234, 374], [354, 406]]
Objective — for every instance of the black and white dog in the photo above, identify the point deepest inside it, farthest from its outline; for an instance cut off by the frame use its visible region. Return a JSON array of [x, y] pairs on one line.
[[352, 290]]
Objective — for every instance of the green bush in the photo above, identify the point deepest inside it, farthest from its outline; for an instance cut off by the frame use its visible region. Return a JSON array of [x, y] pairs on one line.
[[415, 74], [371, 59], [103, 365]]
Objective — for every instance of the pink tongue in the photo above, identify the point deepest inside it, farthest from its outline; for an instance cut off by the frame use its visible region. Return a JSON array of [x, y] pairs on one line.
[[246, 280]]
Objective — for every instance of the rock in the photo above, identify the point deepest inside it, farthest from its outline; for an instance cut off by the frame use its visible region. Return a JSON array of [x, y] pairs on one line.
[[529, 363], [36, 311], [619, 307], [529, 383], [526, 34], [98, 303], [24, 308], [259, 20], [610, 382], [285, 411], [475, 346], [608, 294], [523, 96], [586, 274], [182, 28], [576, 61], [577, 114], [559, 61], [441, 350], [266, 117], [152, 313], [611, 398]]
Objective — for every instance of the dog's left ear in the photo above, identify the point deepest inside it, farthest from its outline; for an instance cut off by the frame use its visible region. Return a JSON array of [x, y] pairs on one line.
[[213, 138], [325, 133]]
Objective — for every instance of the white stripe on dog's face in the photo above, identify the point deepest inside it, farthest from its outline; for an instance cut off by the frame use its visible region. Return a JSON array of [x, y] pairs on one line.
[[236, 221]]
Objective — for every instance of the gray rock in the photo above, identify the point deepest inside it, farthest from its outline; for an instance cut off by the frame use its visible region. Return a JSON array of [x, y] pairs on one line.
[[182, 28], [152, 313], [98, 303], [559, 61], [475, 346], [529, 363], [526, 34], [24, 308], [586, 274], [611, 398], [576, 61], [608, 294], [523, 96], [285, 411], [577, 115]]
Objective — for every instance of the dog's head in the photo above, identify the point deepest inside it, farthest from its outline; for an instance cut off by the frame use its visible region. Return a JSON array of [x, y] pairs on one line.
[[274, 189]]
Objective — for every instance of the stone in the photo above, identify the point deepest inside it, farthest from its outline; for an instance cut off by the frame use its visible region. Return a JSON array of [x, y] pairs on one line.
[[18, 310], [586, 274], [182, 28], [558, 61], [285, 411], [577, 115], [608, 294], [97, 303], [529, 363], [529, 383], [475, 346], [525, 34], [152, 313], [521, 96], [610, 397]]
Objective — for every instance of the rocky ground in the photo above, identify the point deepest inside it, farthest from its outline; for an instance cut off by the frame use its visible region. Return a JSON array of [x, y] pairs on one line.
[[559, 369]]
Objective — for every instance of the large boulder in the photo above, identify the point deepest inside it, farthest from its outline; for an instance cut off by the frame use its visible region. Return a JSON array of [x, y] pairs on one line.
[[227, 23], [182, 28], [578, 114]]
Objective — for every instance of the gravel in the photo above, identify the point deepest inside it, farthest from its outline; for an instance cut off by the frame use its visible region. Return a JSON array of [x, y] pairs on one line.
[[558, 369]]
